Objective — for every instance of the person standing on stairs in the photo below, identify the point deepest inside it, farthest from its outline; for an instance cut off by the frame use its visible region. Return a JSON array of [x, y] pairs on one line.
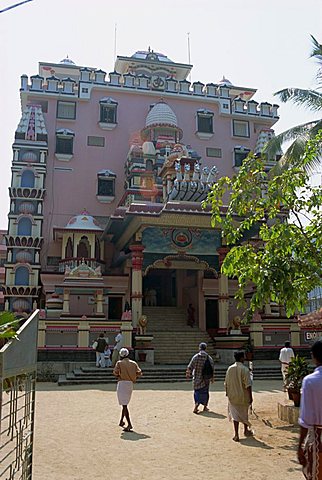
[[202, 368], [117, 347], [101, 345]]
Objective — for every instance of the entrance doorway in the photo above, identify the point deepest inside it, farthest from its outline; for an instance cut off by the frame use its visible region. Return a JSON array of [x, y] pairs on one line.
[[164, 283], [212, 314], [114, 308]]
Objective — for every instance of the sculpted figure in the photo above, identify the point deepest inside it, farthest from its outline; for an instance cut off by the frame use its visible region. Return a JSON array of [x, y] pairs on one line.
[[204, 174], [212, 174], [143, 321]]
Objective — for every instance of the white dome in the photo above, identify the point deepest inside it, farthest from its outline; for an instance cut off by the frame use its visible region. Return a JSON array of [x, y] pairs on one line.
[[83, 222], [161, 114], [225, 81], [67, 61]]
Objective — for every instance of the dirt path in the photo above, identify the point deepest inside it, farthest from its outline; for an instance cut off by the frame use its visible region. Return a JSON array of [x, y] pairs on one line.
[[77, 436]]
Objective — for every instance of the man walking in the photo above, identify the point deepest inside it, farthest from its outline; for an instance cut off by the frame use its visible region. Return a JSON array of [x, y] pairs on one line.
[[239, 392], [117, 347], [202, 368], [310, 419], [286, 355]]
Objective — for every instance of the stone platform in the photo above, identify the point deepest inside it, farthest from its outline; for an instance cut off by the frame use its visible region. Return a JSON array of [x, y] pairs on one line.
[[287, 412]]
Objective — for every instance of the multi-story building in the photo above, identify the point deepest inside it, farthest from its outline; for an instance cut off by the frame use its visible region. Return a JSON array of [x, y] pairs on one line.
[[108, 175]]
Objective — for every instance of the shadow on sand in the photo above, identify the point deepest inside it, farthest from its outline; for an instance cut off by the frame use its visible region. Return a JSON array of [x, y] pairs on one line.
[[212, 415], [253, 442], [134, 436]]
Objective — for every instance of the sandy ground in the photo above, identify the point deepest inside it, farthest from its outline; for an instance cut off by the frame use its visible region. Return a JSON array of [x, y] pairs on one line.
[[77, 436]]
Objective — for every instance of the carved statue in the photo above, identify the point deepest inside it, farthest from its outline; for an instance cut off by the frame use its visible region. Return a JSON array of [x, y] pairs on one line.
[[212, 174], [196, 171], [177, 167], [204, 174], [143, 321]]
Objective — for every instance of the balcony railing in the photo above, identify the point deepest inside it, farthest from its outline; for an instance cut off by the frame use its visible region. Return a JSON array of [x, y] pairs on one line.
[[76, 261]]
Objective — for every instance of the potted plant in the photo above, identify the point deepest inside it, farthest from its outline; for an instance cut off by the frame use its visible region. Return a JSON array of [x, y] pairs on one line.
[[297, 370]]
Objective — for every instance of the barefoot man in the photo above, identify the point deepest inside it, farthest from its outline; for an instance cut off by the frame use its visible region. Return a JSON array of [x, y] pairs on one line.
[[239, 392], [127, 373], [201, 378]]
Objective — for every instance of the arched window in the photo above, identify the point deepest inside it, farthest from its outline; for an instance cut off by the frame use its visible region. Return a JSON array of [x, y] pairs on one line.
[[24, 227], [28, 179], [97, 249], [22, 276], [149, 165], [69, 253], [83, 248]]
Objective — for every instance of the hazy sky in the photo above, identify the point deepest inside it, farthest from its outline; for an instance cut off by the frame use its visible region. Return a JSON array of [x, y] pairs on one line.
[[254, 43]]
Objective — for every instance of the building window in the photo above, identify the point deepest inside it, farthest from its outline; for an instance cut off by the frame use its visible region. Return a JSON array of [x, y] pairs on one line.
[[95, 141], [240, 153], [205, 122], [28, 179], [107, 113], [66, 110], [106, 187], [24, 227], [64, 145], [214, 152], [240, 128], [22, 276]]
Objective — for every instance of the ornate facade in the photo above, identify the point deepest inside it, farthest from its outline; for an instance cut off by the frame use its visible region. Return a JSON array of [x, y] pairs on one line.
[[108, 176]]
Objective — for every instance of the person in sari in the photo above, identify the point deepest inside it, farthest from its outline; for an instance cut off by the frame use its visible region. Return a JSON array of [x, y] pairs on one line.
[[238, 387], [127, 372], [310, 419], [200, 383]]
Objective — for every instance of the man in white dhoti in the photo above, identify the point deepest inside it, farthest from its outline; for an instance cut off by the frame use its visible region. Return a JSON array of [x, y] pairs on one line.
[[239, 392], [127, 372]]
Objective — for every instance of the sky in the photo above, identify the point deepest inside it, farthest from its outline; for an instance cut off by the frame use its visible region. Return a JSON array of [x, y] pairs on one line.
[[254, 43]]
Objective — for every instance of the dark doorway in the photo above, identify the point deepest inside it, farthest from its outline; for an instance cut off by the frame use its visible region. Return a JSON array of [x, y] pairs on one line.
[[212, 314], [114, 308], [163, 282]]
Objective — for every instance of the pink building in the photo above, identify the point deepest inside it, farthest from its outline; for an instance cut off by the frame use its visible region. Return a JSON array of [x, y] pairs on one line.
[[109, 172]]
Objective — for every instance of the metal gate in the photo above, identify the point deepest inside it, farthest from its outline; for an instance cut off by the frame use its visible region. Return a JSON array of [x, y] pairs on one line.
[[18, 364]]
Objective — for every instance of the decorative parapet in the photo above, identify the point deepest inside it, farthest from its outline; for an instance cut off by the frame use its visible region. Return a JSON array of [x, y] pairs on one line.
[[24, 241], [223, 94], [26, 192], [21, 291]]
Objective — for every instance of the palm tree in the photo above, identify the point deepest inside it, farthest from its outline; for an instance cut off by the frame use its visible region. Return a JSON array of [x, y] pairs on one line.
[[300, 134]]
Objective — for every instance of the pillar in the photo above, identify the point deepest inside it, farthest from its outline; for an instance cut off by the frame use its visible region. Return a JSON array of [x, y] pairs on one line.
[[66, 301], [83, 334], [126, 329], [41, 334], [223, 297], [201, 302], [295, 331], [99, 301], [136, 295], [256, 333]]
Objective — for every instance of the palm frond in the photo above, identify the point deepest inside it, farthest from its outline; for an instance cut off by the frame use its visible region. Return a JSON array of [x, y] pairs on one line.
[[317, 48], [308, 98], [274, 146]]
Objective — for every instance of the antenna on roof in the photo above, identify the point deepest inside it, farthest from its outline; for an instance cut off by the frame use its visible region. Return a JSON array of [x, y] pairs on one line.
[[189, 53], [115, 32]]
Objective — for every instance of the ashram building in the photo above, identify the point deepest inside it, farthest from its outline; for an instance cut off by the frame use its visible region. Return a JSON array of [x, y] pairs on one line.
[[108, 175]]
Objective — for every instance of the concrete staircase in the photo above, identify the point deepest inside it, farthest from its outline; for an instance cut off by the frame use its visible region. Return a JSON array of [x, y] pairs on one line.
[[174, 341], [90, 375]]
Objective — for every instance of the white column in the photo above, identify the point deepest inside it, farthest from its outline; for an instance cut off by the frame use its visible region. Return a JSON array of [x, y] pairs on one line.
[[136, 295]]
